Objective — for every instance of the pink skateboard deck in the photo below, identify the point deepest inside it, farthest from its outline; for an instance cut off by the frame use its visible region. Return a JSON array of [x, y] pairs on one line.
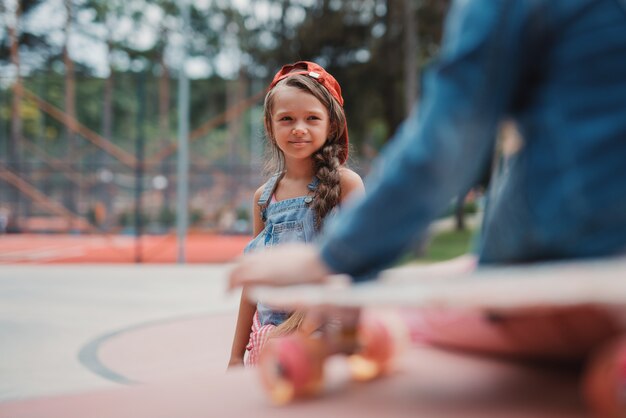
[[599, 282], [553, 312]]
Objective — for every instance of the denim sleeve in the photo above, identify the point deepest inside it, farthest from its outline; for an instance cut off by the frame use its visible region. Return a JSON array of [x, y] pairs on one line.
[[439, 150]]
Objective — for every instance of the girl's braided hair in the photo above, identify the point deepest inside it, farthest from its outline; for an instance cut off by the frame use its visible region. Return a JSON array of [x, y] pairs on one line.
[[326, 160]]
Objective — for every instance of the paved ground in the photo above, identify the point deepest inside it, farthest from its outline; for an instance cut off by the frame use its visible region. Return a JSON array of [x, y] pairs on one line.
[[74, 328]]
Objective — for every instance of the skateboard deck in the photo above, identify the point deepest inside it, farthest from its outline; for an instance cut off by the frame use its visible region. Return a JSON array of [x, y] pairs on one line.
[[579, 308], [598, 282]]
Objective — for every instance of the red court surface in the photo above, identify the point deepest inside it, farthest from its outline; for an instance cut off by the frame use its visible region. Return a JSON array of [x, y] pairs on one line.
[[429, 383], [39, 249], [177, 368], [166, 349]]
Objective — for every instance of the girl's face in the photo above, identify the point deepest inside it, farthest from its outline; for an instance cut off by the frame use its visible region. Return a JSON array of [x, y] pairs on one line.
[[300, 123]]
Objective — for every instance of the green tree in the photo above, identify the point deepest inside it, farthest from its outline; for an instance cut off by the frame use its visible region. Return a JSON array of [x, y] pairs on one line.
[[364, 43]]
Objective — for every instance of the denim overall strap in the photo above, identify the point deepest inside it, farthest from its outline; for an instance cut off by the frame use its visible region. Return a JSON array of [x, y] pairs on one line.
[[270, 186], [313, 184]]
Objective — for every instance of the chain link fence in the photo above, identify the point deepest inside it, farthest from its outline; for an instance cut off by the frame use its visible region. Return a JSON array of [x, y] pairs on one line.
[[112, 168]]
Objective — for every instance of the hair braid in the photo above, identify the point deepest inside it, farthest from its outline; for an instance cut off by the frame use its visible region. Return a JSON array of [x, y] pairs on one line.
[[328, 192]]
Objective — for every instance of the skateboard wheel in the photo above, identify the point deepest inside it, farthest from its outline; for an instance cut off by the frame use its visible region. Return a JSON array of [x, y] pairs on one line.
[[380, 340], [604, 383], [374, 352], [290, 367], [376, 341], [363, 369]]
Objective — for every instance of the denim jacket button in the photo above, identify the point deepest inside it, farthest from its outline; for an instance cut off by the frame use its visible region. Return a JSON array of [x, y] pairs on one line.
[[308, 199]]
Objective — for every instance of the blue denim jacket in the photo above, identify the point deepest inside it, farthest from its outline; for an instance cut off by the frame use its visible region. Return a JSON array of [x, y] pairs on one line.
[[555, 67]]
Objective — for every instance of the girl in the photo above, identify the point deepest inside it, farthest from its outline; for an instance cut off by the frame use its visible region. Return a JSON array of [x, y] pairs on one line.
[[306, 129]]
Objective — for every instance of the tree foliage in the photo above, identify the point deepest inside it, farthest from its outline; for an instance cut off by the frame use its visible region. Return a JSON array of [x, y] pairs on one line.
[[362, 42], [359, 41]]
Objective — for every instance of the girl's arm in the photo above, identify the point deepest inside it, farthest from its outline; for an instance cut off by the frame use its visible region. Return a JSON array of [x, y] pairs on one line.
[[246, 307], [242, 330]]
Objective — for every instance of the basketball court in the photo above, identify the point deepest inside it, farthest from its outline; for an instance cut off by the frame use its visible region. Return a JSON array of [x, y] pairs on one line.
[[106, 340], [76, 328]]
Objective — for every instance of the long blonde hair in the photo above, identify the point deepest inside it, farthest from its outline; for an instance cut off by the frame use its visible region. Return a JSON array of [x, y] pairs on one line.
[[291, 324]]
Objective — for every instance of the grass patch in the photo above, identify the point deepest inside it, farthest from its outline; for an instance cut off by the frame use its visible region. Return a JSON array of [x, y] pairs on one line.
[[447, 245], [443, 246]]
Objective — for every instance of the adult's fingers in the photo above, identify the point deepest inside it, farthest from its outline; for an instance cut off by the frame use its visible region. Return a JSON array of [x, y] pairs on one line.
[[287, 265]]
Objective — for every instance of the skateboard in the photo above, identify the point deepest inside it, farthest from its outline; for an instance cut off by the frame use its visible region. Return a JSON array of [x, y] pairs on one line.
[[292, 366], [583, 303]]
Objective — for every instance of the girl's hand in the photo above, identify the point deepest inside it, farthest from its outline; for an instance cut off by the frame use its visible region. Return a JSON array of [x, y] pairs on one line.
[[235, 362], [286, 265]]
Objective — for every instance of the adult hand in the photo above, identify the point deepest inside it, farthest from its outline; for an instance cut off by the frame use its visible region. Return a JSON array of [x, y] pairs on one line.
[[557, 333], [565, 331], [281, 266]]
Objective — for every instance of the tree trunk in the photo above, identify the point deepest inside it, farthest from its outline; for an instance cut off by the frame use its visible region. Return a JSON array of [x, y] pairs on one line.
[[165, 139], [459, 213], [236, 93], [69, 198], [13, 150], [164, 103], [105, 194], [107, 100], [70, 89], [410, 56], [394, 111]]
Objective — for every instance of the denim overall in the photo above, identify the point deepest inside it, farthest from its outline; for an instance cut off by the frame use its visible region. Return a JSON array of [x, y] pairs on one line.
[[289, 220]]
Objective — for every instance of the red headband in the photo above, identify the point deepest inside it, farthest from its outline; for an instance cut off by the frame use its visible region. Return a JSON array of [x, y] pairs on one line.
[[320, 75]]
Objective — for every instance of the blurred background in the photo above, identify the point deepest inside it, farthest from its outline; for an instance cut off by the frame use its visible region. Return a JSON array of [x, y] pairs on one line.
[[99, 98]]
